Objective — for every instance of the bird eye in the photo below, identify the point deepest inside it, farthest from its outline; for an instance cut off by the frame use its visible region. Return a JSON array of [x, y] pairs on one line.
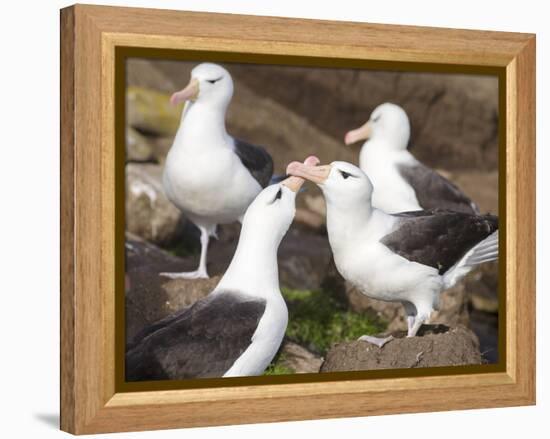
[[277, 196], [377, 118], [345, 174], [212, 81]]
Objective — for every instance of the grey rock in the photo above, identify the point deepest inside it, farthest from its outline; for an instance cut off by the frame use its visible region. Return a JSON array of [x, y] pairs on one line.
[[149, 214], [299, 359]]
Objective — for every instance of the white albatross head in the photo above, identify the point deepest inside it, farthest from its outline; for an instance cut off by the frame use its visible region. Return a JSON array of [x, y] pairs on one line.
[[265, 223], [210, 83], [388, 123], [273, 209], [344, 185]]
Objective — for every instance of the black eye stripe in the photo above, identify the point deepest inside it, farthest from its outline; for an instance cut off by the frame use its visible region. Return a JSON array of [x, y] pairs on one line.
[[345, 174], [377, 118], [279, 194], [212, 81]]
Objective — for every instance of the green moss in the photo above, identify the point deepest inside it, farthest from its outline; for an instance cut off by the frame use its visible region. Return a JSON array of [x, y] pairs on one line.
[[151, 111], [278, 368], [318, 319], [183, 249]]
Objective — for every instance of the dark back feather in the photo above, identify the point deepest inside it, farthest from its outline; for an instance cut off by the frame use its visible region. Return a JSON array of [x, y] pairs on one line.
[[433, 191], [438, 238], [257, 160], [203, 340]]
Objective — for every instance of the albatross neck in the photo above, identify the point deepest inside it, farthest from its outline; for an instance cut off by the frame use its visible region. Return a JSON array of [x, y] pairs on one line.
[[344, 225], [200, 121], [254, 267]]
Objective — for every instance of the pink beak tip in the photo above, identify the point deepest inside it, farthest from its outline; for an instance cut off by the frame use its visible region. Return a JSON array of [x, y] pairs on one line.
[[291, 166], [347, 139], [312, 160]]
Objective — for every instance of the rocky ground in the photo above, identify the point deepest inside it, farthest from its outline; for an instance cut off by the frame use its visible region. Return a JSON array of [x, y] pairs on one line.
[[295, 112], [434, 346]]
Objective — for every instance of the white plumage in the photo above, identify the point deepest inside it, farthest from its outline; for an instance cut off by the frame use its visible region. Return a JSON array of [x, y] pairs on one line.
[[205, 175], [238, 328], [409, 257], [401, 183]]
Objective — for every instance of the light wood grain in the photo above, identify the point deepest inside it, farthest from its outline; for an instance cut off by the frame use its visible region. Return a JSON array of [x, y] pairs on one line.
[[67, 251], [90, 35]]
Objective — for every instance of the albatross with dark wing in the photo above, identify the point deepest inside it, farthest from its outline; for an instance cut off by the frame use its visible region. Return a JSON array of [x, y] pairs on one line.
[[209, 175], [401, 182], [408, 257], [237, 329]]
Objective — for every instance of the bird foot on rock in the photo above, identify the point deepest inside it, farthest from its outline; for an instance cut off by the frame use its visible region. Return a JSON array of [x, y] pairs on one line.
[[380, 342], [197, 274]]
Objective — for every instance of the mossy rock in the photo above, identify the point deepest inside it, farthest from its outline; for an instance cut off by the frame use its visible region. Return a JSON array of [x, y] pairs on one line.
[[319, 318], [150, 112]]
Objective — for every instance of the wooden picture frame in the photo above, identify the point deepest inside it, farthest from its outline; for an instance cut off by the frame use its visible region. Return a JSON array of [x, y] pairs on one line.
[[91, 402]]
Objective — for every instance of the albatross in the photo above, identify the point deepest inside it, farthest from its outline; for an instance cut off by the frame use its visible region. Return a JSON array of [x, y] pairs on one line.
[[401, 182], [237, 329], [408, 257], [209, 175]]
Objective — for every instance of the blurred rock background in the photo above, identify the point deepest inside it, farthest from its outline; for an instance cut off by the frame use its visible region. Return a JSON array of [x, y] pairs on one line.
[[294, 112]]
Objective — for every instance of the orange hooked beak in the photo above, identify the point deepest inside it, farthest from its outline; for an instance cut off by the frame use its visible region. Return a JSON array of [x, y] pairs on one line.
[[294, 183], [189, 93], [309, 171], [361, 133]]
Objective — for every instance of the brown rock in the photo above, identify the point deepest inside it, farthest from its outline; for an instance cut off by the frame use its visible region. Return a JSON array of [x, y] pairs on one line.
[[434, 346], [303, 259], [454, 118], [299, 359], [151, 297], [480, 186], [149, 213], [147, 74], [309, 218], [482, 287], [138, 147]]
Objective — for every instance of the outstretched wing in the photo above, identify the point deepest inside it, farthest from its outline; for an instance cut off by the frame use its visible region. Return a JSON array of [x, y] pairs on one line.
[[438, 238], [257, 160], [434, 191], [203, 340], [484, 251]]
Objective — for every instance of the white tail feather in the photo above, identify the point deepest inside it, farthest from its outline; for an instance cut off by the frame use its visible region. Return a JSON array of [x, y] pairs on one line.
[[484, 251]]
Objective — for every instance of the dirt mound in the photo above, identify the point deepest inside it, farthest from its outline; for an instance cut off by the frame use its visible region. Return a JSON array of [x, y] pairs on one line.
[[436, 345]]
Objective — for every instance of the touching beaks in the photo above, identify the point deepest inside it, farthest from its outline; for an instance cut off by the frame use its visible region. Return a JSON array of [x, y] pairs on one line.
[[361, 133], [315, 174], [294, 183], [189, 93]]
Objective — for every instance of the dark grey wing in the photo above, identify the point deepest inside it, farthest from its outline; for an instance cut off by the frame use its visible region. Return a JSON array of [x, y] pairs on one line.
[[435, 191], [257, 160], [203, 340], [438, 238], [148, 330]]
